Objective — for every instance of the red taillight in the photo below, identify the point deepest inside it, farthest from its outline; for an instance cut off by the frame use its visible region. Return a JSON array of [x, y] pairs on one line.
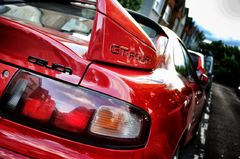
[[39, 110], [74, 112], [74, 121]]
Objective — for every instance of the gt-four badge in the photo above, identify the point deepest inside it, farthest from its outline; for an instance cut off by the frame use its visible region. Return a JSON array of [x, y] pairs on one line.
[[125, 52]]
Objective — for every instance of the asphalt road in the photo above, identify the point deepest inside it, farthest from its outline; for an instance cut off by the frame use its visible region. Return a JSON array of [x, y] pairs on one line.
[[219, 133]]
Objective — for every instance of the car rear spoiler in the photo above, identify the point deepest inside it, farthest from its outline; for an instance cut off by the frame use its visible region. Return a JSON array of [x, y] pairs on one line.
[[118, 39]]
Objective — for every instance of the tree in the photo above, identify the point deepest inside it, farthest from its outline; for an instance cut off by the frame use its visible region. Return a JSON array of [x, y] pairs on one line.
[[201, 36], [227, 62], [131, 4]]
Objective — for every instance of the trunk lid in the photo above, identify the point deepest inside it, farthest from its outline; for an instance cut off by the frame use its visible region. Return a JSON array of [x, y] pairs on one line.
[[32, 38], [29, 45]]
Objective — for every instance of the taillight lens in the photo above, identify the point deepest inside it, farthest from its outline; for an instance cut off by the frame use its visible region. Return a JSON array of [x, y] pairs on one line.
[[74, 112], [115, 122]]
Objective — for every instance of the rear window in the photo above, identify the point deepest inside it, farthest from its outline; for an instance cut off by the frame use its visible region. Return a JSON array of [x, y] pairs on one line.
[[209, 64], [149, 31], [151, 28], [73, 18]]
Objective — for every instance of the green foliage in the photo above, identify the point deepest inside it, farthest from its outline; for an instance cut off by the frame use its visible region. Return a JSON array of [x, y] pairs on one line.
[[227, 62], [201, 36], [131, 4]]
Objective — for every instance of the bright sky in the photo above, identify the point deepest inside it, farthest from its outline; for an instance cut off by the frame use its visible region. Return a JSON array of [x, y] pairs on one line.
[[219, 17]]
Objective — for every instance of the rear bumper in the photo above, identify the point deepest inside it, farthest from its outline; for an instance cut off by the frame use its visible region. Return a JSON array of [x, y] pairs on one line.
[[7, 154], [16, 139]]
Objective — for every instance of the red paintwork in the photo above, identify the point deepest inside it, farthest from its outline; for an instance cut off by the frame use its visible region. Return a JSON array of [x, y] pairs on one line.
[[173, 103], [7, 154], [36, 144], [5, 80], [161, 93], [199, 66], [19, 41], [114, 26], [117, 13]]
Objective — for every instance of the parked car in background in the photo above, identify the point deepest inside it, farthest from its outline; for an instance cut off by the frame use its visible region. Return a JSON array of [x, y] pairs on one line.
[[83, 79], [203, 65], [198, 60], [209, 62]]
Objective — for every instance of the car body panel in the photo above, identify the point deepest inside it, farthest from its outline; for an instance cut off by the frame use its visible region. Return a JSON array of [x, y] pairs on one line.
[[36, 144], [20, 41], [7, 154], [195, 113], [116, 12], [198, 93], [174, 102], [118, 50], [204, 66], [133, 48], [6, 73], [162, 94]]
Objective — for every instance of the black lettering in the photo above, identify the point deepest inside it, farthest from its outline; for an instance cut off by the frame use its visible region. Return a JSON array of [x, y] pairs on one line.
[[68, 70], [142, 58], [131, 55], [147, 60], [124, 50], [115, 49], [37, 61], [59, 68], [137, 57], [44, 63]]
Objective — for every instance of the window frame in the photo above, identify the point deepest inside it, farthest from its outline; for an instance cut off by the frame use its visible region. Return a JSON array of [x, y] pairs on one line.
[[177, 52], [167, 13], [157, 6]]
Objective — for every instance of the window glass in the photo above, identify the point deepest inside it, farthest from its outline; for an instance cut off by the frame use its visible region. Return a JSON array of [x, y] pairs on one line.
[[167, 13], [157, 5], [149, 31], [187, 60], [175, 25], [209, 64], [179, 60], [69, 19]]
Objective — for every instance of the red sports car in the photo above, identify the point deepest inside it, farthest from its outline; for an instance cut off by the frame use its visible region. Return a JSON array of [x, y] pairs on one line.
[[85, 79]]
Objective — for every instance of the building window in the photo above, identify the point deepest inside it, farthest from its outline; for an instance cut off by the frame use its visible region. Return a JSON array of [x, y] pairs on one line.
[[157, 5], [175, 25], [167, 14]]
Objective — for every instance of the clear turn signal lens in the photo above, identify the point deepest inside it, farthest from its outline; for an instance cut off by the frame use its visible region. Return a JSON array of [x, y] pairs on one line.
[[115, 122]]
